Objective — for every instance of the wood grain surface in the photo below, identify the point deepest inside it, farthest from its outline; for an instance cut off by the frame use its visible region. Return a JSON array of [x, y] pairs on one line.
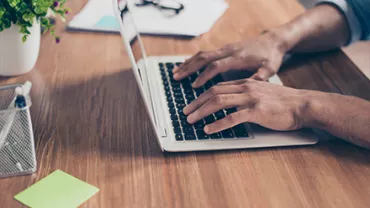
[[89, 121]]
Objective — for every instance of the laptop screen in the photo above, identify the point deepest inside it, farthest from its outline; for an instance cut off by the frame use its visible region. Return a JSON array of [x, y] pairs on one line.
[[130, 33], [135, 51]]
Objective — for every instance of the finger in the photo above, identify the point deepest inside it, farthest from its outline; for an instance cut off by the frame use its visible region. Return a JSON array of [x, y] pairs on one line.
[[198, 62], [209, 94], [235, 82], [217, 103], [212, 70], [263, 74], [246, 115], [187, 61], [176, 69]]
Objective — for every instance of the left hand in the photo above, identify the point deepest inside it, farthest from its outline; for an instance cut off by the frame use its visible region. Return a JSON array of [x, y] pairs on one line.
[[269, 105]]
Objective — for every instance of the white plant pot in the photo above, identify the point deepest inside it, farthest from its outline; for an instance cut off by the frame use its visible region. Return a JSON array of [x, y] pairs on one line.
[[16, 57]]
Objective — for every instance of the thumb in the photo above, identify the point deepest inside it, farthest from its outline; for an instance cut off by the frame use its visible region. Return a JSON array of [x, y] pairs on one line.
[[263, 74]]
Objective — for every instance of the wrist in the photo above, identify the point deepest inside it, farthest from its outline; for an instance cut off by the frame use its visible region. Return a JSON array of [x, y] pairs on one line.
[[315, 109], [284, 37]]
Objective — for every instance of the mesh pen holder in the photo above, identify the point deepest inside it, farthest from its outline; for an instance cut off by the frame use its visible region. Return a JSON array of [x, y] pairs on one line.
[[17, 149]]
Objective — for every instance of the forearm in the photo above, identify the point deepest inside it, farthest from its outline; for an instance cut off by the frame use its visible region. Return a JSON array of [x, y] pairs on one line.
[[344, 116], [319, 29]]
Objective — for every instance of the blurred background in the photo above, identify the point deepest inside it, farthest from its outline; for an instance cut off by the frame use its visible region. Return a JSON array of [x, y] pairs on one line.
[[358, 52]]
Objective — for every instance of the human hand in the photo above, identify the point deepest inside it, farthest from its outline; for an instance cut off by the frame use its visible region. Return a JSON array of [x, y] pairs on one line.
[[269, 105], [262, 55]]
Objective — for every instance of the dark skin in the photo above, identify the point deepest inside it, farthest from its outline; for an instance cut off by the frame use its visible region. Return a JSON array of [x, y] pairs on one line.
[[272, 106]]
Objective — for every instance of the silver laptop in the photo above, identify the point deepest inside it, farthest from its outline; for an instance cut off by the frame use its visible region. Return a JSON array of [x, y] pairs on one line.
[[165, 98]]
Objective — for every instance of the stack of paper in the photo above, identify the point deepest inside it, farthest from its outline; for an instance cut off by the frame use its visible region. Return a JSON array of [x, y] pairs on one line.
[[197, 18]]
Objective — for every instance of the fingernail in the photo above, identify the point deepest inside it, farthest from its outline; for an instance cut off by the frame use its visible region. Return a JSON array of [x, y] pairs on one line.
[[206, 130], [185, 110], [190, 118], [195, 84], [176, 76]]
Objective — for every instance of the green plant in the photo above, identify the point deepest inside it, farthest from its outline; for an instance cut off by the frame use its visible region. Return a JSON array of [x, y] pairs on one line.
[[24, 12]]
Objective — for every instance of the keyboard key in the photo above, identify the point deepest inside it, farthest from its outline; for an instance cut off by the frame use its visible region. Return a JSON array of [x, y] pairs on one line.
[[199, 125], [169, 99], [216, 136], [182, 117], [165, 83], [187, 86], [160, 65], [175, 124], [177, 94], [188, 101], [172, 111], [168, 94], [176, 90], [202, 70], [193, 77], [199, 91], [169, 66], [178, 63], [227, 134], [201, 135], [175, 84], [187, 129], [188, 91], [230, 111], [170, 74], [240, 131], [179, 137], [180, 105], [217, 79], [220, 114], [185, 81], [185, 124], [190, 137], [170, 105], [179, 100], [177, 130], [174, 117], [208, 85], [209, 119], [180, 111], [190, 97], [167, 88]]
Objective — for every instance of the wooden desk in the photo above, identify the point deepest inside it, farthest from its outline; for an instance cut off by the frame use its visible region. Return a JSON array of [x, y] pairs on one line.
[[89, 121]]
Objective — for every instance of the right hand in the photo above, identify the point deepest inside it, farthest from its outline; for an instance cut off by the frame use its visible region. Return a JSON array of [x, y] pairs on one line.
[[272, 106], [262, 55]]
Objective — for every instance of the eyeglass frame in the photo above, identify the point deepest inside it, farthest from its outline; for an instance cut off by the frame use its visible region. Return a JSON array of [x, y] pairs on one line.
[[154, 3]]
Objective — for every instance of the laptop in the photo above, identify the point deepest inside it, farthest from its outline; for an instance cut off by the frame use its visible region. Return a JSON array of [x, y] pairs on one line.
[[165, 99]]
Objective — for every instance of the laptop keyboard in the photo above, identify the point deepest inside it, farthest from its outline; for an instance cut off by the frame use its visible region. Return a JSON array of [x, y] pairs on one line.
[[179, 94]]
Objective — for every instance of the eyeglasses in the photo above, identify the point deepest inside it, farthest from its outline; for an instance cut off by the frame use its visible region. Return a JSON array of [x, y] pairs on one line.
[[169, 8]]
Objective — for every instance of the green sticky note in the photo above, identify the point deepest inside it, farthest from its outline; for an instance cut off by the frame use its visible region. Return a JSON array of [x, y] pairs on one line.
[[59, 189]]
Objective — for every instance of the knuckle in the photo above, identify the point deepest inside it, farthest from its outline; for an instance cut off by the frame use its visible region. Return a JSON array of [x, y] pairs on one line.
[[250, 80], [202, 56], [219, 100], [213, 90], [245, 87], [259, 77], [232, 118], [214, 65]]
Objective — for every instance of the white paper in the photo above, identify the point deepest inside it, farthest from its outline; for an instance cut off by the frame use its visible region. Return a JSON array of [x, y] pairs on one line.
[[197, 18]]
